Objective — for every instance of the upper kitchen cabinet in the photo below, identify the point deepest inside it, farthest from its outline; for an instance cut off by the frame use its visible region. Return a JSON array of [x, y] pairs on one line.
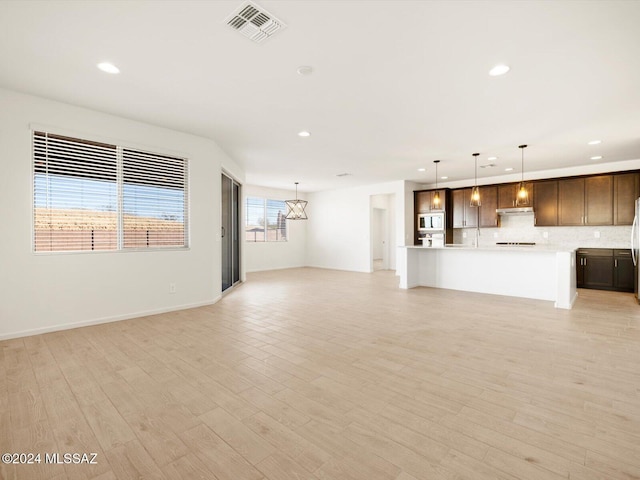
[[625, 192], [487, 213], [585, 201], [571, 201], [507, 195], [464, 215], [545, 203], [424, 201], [598, 200]]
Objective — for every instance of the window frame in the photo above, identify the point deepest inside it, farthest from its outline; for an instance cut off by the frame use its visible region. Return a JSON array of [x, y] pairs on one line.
[[120, 147], [265, 208]]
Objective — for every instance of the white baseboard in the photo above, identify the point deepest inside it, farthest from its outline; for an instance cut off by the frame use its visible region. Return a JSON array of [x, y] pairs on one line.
[[567, 306], [97, 321], [276, 268], [338, 269]]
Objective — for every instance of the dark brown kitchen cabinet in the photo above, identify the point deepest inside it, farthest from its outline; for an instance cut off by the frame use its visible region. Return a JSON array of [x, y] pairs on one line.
[[507, 195], [598, 200], [458, 198], [424, 201], [595, 268], [464, 215], [571, 201], [623, 270], [489, 199], [585, 201], [545, 203], [625, 192], [605, 269]]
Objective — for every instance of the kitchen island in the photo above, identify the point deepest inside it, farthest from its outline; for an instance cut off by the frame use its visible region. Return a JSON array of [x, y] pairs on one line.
[[539, 272]]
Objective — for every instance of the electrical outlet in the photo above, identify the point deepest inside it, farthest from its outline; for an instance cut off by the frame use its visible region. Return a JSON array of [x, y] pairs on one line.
[[464, 234], [545, 234], [495, 234], [596, 234], [172, 288]]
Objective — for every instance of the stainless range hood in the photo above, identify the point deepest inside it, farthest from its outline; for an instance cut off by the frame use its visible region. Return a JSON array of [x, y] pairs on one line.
[[514, 211]]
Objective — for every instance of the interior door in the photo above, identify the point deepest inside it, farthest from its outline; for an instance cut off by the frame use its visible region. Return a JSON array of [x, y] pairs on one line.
[[230, 232]]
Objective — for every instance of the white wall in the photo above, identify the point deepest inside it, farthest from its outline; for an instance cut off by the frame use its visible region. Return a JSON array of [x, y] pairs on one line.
[[275, 255], [44, 292], [339, 225]]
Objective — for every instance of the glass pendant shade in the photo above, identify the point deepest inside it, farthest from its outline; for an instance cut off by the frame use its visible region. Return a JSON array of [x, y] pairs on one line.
[[522, 197], [475, 197], [475, 191], [435, 199], [295, 208]]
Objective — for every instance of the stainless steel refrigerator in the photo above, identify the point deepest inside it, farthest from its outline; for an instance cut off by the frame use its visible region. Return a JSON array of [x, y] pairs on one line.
[[635, 246]]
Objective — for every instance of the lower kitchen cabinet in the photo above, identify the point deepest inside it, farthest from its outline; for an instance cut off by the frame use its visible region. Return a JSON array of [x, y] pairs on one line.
[[623, 270], [605, 269]]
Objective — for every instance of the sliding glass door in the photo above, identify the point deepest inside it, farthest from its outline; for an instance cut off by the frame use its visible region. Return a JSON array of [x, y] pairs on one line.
[[230, 232]]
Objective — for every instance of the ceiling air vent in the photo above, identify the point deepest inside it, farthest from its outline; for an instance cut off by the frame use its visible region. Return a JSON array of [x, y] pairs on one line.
[[254, 22]]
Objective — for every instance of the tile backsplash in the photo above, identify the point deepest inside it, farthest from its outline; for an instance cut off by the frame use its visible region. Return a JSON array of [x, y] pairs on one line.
[[519, 228]]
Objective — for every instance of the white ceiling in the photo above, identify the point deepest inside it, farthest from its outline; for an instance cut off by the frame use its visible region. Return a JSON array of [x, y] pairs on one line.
[[396, 84]]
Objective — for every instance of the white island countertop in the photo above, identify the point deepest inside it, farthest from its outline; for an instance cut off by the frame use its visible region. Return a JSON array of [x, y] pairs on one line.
[[492, 248], [543, 272]]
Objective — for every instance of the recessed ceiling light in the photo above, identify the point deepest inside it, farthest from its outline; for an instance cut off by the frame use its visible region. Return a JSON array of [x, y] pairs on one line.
[[422, 169], [108, 67], [499, 70], [492, 158], [305, 70], [444, 178], [304, 133], [595, 142], [508, 169], [597, 157]]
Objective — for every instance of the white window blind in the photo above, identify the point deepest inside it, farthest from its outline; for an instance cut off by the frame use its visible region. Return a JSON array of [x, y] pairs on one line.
[[96, 196], [75, 194], [154, 200], [265, 220]]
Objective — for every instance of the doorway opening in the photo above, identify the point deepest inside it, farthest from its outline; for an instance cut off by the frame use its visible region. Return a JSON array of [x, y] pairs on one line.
[[382, 232]]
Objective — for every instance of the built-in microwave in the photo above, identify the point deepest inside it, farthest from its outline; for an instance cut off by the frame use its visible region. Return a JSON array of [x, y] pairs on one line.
[[430, 222]]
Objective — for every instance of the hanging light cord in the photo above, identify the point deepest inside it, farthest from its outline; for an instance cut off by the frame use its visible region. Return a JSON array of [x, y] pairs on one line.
[[475, 173], [522, 147]]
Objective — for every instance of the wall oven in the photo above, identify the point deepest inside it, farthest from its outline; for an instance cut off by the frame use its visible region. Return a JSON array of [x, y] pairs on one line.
[[430, 222]]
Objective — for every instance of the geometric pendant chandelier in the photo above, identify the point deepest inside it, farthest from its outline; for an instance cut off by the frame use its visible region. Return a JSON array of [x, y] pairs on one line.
[[295, 208]]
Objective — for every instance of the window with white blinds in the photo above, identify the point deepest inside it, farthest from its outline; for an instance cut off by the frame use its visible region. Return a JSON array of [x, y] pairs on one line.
[[153, 200], [91, 196], [265, 220]]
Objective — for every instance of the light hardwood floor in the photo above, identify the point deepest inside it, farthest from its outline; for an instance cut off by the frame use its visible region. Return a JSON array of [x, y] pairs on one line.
[[318, 374]]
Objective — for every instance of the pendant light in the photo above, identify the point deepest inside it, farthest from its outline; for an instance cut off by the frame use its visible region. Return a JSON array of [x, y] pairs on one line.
[[295, 208], [475, 192], [435, 204], [522, 198]]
